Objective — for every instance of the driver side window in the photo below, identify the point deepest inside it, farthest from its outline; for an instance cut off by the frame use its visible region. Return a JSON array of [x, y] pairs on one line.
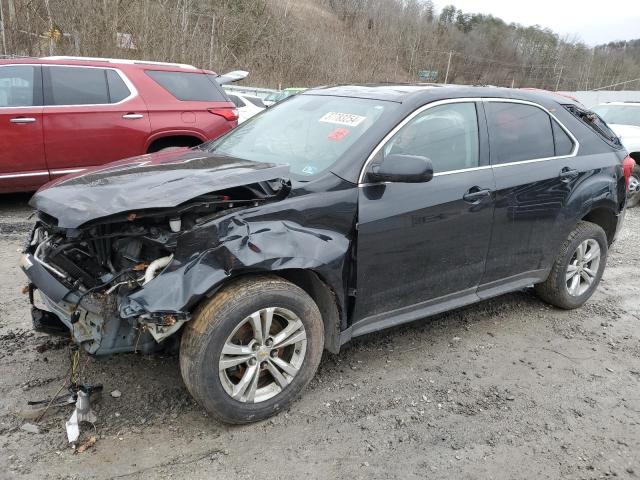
[[446, 134]]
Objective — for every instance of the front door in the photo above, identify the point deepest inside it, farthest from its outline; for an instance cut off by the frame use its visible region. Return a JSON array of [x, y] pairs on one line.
[[22, 161], [425, 243], [91, 117]]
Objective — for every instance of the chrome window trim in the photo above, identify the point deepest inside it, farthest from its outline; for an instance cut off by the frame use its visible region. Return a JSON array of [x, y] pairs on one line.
[[26, 174], [133, 92], [462, 170], [66, 171], [408, 118]]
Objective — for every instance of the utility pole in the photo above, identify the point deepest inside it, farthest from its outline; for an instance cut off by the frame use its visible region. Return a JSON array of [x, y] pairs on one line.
[[446, 75], [559, 76], [51, 41], [4, 39], [213, 31]]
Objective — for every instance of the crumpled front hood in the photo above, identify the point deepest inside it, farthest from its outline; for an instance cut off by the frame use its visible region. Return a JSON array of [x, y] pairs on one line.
[[160, 180]]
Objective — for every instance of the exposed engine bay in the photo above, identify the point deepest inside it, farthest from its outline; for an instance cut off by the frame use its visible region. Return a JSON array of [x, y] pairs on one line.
[[100, 263]]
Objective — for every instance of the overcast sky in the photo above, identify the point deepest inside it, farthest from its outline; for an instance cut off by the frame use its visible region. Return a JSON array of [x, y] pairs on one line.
[[593, 22]]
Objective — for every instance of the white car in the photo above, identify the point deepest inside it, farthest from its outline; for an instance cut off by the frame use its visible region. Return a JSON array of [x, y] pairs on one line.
[[624, 120], [248, 105]]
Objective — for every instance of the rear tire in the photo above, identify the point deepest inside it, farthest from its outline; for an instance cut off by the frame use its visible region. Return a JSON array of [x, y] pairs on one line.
[[575, 275], [634, 184], [234, 355]]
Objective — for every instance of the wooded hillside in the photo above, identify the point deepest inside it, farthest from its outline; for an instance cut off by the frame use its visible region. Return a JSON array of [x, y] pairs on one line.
[[307, 42]]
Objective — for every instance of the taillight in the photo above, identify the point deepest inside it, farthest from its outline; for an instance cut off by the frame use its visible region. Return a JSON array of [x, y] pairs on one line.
[[627, 167], [230, 114]]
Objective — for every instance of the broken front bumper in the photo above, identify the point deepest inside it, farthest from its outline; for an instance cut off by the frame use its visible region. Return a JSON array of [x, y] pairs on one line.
[[93, 320]]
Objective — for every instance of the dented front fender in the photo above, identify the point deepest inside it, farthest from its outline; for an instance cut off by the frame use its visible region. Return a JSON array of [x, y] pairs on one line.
[[296, 233]]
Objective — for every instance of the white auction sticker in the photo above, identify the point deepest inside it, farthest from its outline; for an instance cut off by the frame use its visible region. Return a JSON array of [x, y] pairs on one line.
[[348, 119]]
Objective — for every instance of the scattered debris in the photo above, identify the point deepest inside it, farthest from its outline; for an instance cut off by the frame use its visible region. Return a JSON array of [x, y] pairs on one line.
[[87, 444], [116, 394], [36, 409], [30, 427], [82, 413]]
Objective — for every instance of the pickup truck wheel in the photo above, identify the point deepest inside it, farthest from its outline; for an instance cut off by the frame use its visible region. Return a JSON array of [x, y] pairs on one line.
[[634, 188], [251, 349], [577, 269]]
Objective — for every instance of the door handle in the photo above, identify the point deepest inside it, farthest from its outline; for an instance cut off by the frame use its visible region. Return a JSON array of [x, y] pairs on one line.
[[475, 194], [23, 120], [132, 116], [567, 174]]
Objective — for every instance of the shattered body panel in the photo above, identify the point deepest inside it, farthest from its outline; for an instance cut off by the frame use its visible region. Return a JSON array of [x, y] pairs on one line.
[[124, 279], [150, 181], [264, 239]]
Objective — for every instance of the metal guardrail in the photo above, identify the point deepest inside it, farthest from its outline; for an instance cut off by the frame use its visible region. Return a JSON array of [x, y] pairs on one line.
[[255, 91]]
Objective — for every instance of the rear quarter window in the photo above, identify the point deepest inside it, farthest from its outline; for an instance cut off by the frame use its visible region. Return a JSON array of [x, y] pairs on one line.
[[188, 86], [118, 90], [563, 143], [596, 124]]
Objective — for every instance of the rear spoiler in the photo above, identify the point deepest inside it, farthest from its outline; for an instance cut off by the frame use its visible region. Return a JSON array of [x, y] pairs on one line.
[[230, 77]]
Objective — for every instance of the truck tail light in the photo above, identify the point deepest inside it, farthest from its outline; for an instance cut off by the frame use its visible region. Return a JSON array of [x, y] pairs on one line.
[[229, 114], [627, 167]]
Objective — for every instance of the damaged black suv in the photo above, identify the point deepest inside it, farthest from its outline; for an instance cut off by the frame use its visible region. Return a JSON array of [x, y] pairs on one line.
[[339, 212]]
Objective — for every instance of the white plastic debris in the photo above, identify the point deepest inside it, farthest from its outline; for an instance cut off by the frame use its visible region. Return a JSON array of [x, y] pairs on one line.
[[30, 427], [116, 394], [82, 413]]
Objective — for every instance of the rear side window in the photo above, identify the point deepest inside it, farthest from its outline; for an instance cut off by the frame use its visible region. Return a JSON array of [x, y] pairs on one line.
[[118, 90], [563, 144], [595, 123], [75, 86], [188, 86], [18, 86], [519, 132]]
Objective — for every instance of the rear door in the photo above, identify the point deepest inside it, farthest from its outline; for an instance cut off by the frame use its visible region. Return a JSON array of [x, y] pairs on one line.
[[92, 116], [425, 243], [535, 169], [22, 161]]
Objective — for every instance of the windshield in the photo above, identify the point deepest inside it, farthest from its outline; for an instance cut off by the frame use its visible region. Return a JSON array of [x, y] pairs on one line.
[[619, 114], [309, 133]]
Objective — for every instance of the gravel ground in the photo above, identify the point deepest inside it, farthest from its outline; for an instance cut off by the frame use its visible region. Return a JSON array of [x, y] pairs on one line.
[[508, 388]]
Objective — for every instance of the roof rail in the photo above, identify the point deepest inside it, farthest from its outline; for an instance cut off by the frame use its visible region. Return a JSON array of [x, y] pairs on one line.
[[121, 60]]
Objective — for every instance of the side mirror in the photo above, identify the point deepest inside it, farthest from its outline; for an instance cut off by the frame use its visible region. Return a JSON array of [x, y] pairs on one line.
[[402, 169]]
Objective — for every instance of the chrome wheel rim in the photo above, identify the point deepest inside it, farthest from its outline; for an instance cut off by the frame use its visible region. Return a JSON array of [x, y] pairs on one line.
[[262, 355], [634, 184], [583, 268]]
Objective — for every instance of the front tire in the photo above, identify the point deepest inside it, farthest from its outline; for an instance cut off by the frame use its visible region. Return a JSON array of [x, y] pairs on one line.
[[577, 269], [250, 350]]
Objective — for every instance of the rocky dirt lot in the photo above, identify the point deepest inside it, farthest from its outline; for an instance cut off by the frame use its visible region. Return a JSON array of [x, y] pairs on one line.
[[509, 388]]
